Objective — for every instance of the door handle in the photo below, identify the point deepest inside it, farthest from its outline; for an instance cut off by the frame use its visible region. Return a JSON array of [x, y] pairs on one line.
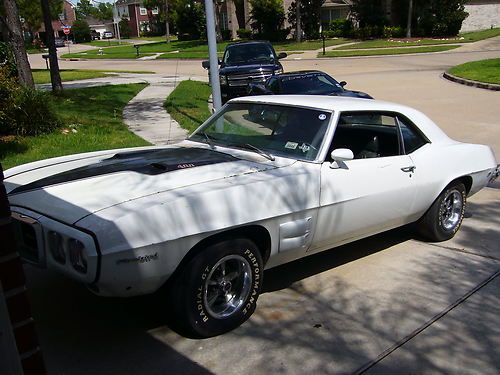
[[409, 169]]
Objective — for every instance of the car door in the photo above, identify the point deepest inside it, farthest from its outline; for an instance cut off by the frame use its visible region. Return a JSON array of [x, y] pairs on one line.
[[374, 191]]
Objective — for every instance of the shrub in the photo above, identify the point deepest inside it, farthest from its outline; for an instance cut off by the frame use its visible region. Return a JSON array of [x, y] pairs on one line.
[[124, 28], [340, 28], [226, 34], [7, 61], [393, 32], [24, 111], [244, 33], [81, 31]]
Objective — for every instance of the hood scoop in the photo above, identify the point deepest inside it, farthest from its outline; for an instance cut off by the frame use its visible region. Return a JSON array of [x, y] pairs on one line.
[[149, 162]]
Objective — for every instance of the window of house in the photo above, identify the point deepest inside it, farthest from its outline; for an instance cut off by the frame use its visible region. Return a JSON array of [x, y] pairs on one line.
[[154, 11], [143, 11]]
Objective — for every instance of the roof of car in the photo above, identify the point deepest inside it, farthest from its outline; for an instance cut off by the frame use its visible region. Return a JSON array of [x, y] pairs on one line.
[[248, 42], [300, 72], [348, 104]]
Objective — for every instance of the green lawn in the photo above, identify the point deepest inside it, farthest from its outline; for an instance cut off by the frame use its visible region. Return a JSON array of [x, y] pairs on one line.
[[483, 71], [43, 76], [187, 104], [194, 49], [386, 51], [105, 43], [395, 42], [83, 130]]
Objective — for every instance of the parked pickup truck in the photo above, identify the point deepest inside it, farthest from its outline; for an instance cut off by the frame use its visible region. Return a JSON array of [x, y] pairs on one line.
[[244, 63]]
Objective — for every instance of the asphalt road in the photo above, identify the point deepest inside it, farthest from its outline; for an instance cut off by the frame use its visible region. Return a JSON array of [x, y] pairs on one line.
[[388, 304]]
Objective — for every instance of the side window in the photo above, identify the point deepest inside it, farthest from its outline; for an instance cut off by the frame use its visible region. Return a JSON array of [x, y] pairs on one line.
[[367, 134], [412, 138]]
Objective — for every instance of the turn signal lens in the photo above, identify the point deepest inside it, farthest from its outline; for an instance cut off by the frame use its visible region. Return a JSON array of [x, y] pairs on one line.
[[77, 255], [56, 246]]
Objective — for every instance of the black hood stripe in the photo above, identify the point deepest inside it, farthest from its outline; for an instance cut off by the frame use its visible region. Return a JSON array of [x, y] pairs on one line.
[[149, 162]]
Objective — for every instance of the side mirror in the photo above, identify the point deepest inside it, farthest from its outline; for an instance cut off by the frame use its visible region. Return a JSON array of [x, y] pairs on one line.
[[342, 83], [339, 156], [205, 64], [282, 55]]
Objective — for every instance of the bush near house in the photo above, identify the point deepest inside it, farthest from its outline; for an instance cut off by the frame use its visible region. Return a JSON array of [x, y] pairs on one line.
[[244, 33]]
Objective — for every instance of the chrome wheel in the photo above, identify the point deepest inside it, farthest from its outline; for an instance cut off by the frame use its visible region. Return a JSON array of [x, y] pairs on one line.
[[450, 211], [227, 286]]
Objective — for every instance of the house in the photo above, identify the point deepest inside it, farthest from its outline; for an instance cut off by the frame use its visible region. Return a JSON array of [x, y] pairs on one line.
[[66, 18], [483, 14], [140, 19], [101, 26]]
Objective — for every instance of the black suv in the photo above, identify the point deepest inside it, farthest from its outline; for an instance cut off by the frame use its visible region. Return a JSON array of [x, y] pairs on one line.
[[244, 63]]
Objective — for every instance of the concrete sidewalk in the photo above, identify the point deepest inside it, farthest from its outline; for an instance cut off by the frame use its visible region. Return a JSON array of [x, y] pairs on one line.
[[144, 114]]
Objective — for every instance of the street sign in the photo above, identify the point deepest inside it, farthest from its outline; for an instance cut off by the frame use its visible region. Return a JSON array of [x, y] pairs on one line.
[[66, 31]]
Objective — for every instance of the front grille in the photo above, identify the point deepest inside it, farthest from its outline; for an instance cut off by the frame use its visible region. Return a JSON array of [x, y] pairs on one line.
[[26, 240], [245, 79]]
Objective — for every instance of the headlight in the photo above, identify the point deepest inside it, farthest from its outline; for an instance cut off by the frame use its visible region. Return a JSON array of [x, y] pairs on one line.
[[56, 246], [278, 71], [223, 80], [77, 255]]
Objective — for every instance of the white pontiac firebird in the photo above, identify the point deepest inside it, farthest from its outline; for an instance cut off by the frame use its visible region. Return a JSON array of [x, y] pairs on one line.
[[264, 181]]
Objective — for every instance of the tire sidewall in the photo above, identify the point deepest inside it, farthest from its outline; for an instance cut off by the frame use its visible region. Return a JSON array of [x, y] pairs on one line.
[[198, 318]]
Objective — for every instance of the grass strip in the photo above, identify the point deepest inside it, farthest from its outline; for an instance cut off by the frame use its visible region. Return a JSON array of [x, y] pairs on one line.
[[42, 76], [386, 51], [92, 121], [487, 71], [187, 104]]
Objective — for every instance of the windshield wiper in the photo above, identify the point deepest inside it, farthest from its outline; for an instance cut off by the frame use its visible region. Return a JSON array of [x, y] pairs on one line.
[[249, 146]]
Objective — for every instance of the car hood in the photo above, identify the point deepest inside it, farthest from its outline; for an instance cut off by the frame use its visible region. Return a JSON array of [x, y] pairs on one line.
[[69, 191], [248, 68]]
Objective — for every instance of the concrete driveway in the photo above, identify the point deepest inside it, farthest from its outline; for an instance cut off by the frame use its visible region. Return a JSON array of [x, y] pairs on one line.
[[386, 304]]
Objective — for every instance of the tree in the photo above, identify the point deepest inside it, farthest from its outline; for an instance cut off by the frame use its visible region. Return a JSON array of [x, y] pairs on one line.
[[103, 11], [11, 21], [190, 20], [369, 13], [267, 18], [310, 17], [32, 13], [125, 29], [81, 31], [443, 17], [55, 76], [84, 9]]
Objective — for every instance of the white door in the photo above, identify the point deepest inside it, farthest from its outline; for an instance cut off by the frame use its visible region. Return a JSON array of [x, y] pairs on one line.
[[371, 193]]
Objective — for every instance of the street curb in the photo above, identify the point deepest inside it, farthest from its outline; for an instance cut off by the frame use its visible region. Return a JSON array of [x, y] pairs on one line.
[[468, 82]]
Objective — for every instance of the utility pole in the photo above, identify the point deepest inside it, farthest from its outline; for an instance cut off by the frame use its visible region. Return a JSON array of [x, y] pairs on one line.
[[55, 76], [408, 25], [212, 53], [13, 25]]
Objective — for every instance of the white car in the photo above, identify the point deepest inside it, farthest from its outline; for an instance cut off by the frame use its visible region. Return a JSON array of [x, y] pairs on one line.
[[264, 181]]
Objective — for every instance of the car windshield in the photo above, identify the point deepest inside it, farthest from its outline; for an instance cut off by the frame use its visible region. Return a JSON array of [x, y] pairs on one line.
[[267, 129], [248, 53], [311, 84]]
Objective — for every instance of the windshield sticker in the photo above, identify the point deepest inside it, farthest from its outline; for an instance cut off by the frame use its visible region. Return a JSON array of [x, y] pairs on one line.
[[322, 117], [291, 145], [304, 147]]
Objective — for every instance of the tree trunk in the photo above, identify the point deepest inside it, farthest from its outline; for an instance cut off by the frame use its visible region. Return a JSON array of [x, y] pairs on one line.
[[410, 13], [239, 9], [167, 25], [13, 25], [55, 76], [218, 33], [298, 30]]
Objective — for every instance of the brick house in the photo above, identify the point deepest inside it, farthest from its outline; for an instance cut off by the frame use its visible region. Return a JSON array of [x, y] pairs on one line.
[[66, 18], [139, 18]]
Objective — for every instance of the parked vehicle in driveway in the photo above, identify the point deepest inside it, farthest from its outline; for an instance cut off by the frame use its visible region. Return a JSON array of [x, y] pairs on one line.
[[95, 35], [264, 181], [107, 35], [59, 42], [244, 63], [307, 82]]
